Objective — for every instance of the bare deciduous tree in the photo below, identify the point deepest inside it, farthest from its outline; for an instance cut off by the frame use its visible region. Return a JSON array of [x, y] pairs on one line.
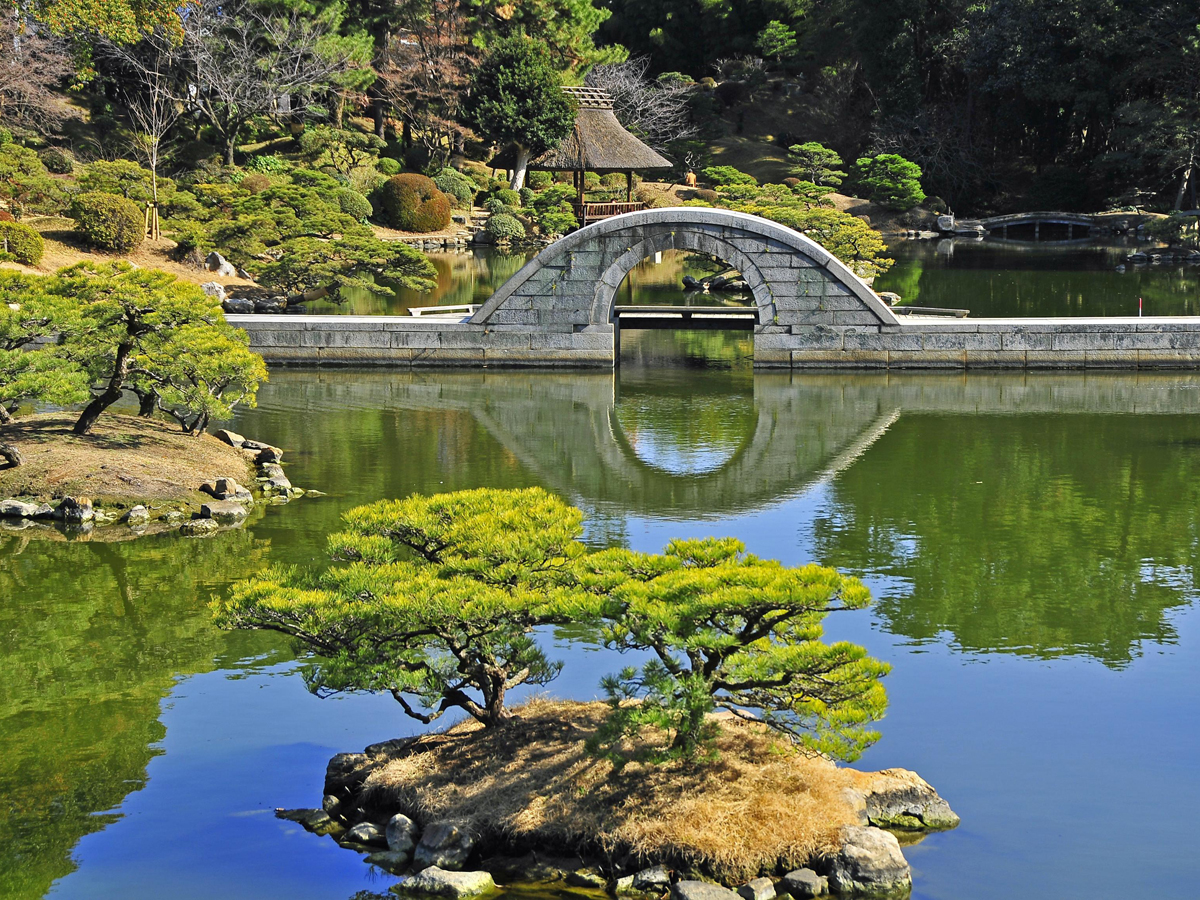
[[33, 63], [425, 71], [655, 111], [152, 99], [245, 63]]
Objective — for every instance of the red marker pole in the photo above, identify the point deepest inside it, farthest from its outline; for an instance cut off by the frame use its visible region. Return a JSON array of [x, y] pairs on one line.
[[1139, 307]]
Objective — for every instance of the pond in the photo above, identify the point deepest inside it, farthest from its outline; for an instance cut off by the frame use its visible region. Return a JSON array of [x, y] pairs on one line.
[[1031, 542], [990, 278]]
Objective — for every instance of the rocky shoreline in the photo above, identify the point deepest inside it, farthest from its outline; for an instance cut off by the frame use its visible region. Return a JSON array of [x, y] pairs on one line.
[[227, 506], [410, 834]]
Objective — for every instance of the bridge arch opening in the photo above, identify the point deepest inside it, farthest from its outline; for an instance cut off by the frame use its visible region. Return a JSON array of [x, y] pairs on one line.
[[684, 308]]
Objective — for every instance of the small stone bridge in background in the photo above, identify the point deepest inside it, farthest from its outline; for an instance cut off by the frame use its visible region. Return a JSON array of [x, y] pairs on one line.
[[1079, 226], [810, 311]]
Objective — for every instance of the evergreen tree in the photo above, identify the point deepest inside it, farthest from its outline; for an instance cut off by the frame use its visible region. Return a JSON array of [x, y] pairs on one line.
[[516, 98]]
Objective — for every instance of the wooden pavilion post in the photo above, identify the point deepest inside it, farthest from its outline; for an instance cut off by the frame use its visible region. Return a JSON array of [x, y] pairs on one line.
[[629, 185]]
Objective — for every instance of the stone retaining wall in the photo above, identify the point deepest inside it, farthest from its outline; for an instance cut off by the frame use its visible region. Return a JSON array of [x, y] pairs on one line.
[[1126, 343], [1059, 343]]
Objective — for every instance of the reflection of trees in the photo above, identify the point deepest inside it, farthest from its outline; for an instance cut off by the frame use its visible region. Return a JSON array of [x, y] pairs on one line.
[[92, 636], [1041, 535]]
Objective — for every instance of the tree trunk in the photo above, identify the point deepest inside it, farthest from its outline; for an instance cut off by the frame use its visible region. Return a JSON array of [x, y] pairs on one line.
[[111, 394], [379, 113], [5, 416], [518, 179], [1187, 176], [147, 403], [230, 146]]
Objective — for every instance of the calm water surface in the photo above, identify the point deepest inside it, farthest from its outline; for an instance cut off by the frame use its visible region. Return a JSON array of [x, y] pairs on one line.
[[1032, 543], [987, 277], [996, 279]]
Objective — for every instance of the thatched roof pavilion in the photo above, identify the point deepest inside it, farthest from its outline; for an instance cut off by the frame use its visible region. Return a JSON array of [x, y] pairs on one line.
[[597, 143]]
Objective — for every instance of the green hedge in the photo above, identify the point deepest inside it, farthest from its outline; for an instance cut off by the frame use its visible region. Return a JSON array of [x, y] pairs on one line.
[[388, 166], [354, 204], [455, 184], [108, 222], [502, 227], [22, 243], [57, 160], [412, 202]]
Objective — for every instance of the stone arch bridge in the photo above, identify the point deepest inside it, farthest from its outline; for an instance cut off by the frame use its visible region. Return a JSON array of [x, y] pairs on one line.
[[569, 288], [810, 311]]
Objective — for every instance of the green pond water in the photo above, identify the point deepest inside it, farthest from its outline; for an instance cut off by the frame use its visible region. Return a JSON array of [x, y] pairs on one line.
[[989, 278], [1032, 543]]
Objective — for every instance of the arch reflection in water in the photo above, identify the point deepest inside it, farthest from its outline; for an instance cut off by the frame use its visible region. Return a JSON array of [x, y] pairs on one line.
[[1077, 538]]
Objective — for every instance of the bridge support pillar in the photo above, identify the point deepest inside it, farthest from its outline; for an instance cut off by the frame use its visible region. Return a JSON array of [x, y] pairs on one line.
[[1037, 231]]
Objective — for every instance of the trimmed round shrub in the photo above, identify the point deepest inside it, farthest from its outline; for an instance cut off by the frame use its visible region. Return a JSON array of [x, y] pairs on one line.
[[526, 196], [508, 197], [6, 216], [354, 204], [57, 160], [22, 243], [539, 180], [707, 196], [388, 166], [720, 175], [255, 183], [495, 205], [267, 164], [455, 184], [791, 182], [505, 227], [108, 222], [412, 202], [612, 180], [591, 181]]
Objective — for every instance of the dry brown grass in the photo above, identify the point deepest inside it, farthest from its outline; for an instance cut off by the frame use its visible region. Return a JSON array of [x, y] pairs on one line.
[[63, 248], [761, 808], [124, 460]]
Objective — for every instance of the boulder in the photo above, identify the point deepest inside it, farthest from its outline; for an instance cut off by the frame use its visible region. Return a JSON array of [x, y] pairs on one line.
[[227, 512], [365, 833], [232, 438], [891, 299], [654, 880], [19, 509], [242, 273], [392, 861], [899, 798], [701, 890], [270, 304], [691, 284], [238, 306], [214, 289], [758, 889], [218, 264], [443, 845], [586, 878], [869, 863], [75, 510], [227, 489], [803, 883], [945, 223], [254, 445], [401, 833], [268, 455], [437, 882], [139, 515], [315, 820], [198, 528], [331, 804], [345, 773]]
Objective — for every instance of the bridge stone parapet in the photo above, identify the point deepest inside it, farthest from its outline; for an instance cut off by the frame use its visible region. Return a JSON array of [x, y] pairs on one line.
[[812, 312]]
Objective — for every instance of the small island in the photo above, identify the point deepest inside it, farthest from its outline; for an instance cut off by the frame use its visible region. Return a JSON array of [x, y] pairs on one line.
[[528, 803], [91, 336], [711, 765]]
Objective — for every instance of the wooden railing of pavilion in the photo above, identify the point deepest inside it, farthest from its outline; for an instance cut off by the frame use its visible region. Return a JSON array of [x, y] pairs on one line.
[[593, 212]]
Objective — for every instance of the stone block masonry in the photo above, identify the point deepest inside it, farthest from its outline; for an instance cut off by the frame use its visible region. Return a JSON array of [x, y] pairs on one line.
[[813, 313]]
